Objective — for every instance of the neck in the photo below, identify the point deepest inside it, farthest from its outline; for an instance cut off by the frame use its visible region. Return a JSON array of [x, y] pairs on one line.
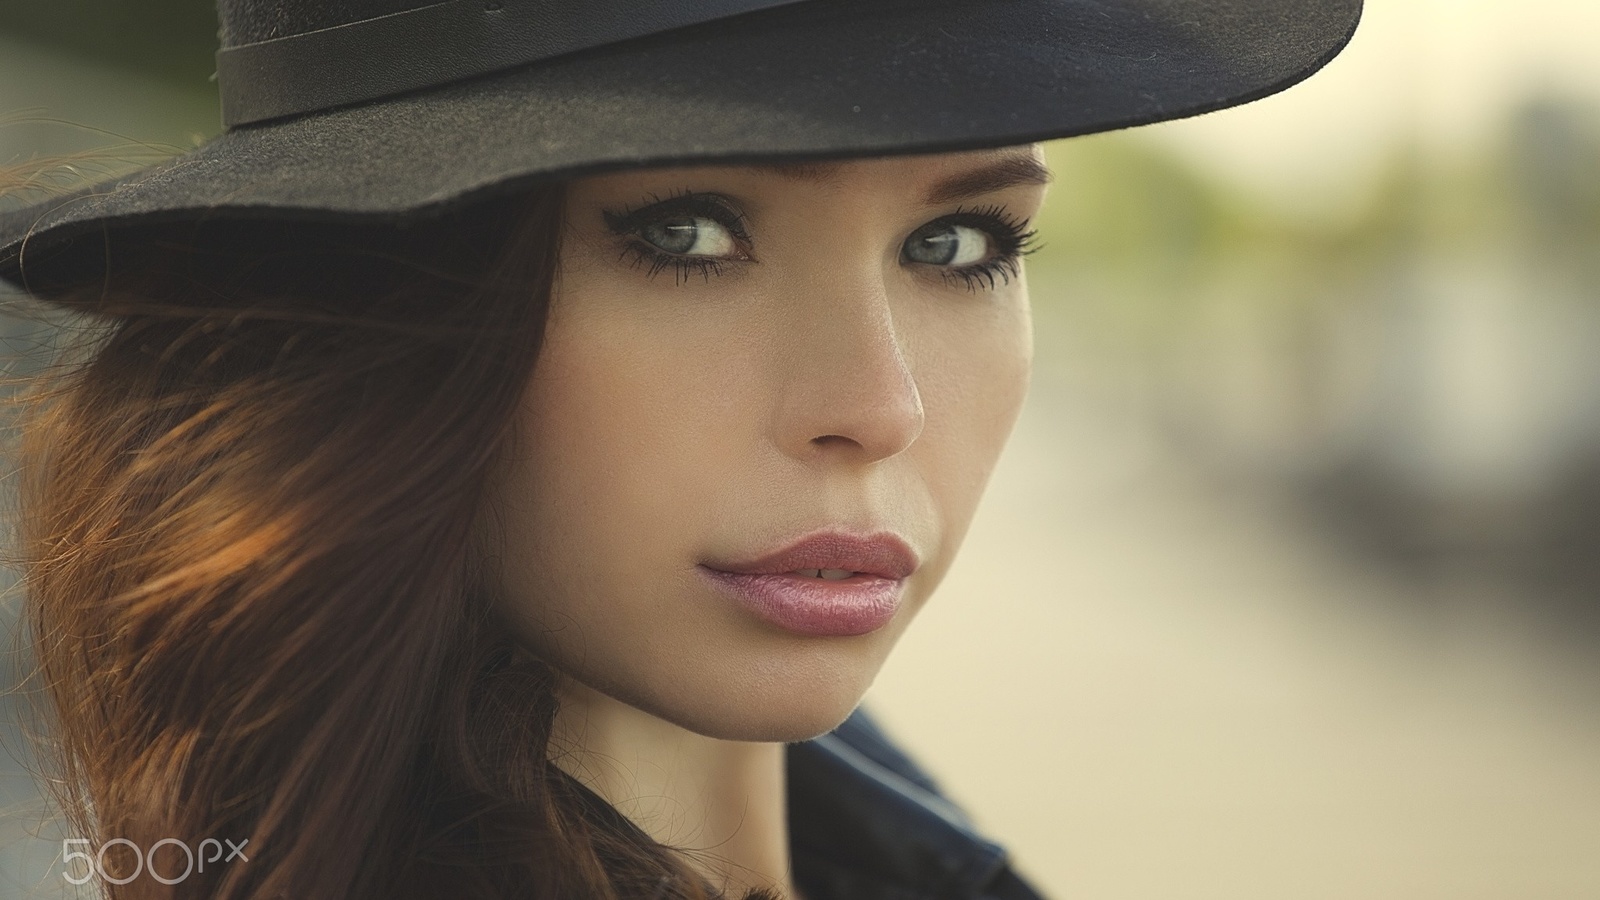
[[723, 801]]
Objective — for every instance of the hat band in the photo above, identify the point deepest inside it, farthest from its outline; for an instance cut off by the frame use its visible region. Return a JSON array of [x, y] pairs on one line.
[[435, 45]]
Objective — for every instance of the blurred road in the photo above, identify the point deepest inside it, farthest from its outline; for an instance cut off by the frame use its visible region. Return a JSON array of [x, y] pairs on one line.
[[1150, 688]]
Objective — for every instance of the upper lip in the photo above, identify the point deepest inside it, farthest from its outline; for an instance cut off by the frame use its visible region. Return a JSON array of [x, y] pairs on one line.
[[882, 554]]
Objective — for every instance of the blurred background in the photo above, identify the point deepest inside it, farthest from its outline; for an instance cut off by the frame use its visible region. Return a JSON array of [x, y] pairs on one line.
[[1288, 585]]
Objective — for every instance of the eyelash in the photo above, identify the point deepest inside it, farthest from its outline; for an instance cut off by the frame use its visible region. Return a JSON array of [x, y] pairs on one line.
[[1012, 241], [1011, 237]]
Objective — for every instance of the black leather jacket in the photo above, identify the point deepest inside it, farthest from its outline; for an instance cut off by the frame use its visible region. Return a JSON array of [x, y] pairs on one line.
[[866, 823]]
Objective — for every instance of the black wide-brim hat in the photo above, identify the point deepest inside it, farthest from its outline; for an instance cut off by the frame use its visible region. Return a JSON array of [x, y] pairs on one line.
[[381, 110]]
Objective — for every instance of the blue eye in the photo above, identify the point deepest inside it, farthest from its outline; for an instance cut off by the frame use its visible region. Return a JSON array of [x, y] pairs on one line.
[[980, 248], [689, 233], [691, 236], [945, 243]]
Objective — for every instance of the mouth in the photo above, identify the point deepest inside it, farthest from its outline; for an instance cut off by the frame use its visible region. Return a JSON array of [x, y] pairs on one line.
[[824, 585]]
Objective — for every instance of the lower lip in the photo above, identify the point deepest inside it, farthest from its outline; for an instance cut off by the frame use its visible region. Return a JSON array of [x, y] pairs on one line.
[[814, 607]]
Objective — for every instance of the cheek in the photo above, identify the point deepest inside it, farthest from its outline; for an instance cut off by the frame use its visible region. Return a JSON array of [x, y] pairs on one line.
[[614, 436], [973, 373], [623, 419], [978, 371], [596, 454]]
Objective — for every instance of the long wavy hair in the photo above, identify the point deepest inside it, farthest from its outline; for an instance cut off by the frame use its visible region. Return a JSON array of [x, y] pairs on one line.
[[255, 586]]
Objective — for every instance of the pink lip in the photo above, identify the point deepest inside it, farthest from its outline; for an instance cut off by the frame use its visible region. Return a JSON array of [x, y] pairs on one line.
[[771, 587]]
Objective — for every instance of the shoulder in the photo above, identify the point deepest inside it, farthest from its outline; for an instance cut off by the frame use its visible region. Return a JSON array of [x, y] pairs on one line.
[[868, 821]]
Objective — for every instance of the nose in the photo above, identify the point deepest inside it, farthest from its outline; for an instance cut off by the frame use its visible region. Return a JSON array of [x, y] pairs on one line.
[[846, 389]]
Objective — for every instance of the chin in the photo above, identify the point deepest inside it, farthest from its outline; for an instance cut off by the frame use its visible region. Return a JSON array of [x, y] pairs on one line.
[[772, 726], [769, 706]]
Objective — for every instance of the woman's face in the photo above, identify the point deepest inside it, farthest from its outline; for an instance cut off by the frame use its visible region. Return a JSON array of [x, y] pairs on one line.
[[741, 362]]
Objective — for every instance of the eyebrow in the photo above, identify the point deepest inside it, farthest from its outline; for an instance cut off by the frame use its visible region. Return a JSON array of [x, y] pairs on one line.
[[1007, 172]]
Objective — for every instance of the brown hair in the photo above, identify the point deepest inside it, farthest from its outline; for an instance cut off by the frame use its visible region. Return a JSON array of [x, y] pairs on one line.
[[254, 586]]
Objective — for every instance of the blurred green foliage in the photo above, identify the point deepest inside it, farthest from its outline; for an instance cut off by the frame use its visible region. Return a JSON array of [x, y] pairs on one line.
[[170, 39], [1130, 218]]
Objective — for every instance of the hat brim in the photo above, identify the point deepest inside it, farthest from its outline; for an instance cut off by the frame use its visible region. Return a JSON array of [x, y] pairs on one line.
[[819, 79]]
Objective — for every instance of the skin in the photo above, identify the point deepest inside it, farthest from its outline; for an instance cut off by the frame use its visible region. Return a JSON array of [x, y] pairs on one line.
[[817, 380]]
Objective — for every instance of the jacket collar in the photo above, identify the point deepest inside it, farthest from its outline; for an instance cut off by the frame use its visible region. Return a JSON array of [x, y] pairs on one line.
[[865, 821]]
